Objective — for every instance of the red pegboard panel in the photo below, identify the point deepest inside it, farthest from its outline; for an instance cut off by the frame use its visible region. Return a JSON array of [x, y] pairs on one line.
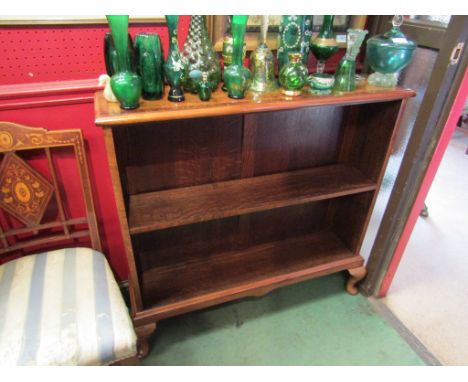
[[60, 53]]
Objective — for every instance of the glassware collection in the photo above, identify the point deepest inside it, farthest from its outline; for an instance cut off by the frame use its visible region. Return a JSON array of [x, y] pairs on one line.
[[138, 69]]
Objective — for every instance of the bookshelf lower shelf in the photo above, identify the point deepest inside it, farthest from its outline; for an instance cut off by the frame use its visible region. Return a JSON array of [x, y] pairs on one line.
[[201, 282]]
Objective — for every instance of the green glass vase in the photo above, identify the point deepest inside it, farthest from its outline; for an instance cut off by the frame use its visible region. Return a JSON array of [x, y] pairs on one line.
[[149, 64], [324, 45], [227, 49], [388, 54], [199, 54], [345, 76], [262, 64], [125, 84], [236, 76], [110, 54], [174, 68], [294, 35], [293, 76]]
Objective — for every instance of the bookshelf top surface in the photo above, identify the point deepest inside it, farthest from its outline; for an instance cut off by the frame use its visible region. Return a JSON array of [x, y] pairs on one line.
[[110, 114]]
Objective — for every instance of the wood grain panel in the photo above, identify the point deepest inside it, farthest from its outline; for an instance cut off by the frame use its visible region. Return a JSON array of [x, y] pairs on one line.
[[183, 153], [206, 239], [170, 208], [290, 140], [259, 268], [110, 114], [368, 132]]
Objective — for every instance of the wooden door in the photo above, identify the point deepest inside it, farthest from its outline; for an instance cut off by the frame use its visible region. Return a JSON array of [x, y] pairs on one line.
[[436, 73]]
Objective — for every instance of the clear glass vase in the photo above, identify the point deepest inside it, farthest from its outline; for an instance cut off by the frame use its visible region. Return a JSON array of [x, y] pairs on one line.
[[262, 64]]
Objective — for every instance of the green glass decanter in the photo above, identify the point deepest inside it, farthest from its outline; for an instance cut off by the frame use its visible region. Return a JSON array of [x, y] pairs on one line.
[[125, 84], [262, 64], [294, 35], [236, 76], [174, 68], [293, 76], [388, 54], [149, 64], [199, 54], [345, 76], [324, 45]]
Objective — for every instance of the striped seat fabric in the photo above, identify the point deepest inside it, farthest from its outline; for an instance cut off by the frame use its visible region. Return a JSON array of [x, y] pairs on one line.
[[63, 307]]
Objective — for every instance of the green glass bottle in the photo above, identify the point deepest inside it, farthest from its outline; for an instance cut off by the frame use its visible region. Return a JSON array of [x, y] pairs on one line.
[[199, 54], [204, 87], [149, 64], [345, 76], [236, 76], [174, 68], [293, 76], [125, 84], [324, 45], [262, 64]]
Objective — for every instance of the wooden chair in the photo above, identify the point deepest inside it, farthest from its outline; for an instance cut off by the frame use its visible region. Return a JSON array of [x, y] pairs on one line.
[[63, 306]]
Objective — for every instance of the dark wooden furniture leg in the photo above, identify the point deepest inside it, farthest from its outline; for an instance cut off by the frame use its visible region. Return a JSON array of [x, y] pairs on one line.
[[355, 275], [144, 333]]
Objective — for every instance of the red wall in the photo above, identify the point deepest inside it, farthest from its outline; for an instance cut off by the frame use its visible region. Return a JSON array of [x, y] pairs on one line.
[[48, 76]]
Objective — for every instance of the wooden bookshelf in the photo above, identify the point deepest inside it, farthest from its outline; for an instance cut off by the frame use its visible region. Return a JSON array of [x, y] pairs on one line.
[[231, 198]]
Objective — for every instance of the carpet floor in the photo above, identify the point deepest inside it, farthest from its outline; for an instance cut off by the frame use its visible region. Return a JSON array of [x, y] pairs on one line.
[[312, 323]]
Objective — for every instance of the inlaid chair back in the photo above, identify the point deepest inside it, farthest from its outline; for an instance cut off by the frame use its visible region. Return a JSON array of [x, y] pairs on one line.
[[45, 191]]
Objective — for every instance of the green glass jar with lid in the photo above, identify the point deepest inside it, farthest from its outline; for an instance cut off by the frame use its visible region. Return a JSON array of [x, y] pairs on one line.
[[388, 54]]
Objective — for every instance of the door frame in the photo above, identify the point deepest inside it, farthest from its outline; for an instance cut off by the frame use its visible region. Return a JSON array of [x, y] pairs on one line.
[[416, 171]]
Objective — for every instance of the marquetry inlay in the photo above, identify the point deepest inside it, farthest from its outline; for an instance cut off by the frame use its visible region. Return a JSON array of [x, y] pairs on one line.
[[24, 193]]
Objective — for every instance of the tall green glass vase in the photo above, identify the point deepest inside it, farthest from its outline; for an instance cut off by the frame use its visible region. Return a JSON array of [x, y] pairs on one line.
[[324, 45], [199, 54], [149, 64], [174, 67], [345, 76], [291, 38], [236, 76], [125, 84], [110, 54]]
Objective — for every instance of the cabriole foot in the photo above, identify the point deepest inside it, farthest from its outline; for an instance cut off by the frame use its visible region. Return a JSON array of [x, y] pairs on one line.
[[355, 275], [143, 334]]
